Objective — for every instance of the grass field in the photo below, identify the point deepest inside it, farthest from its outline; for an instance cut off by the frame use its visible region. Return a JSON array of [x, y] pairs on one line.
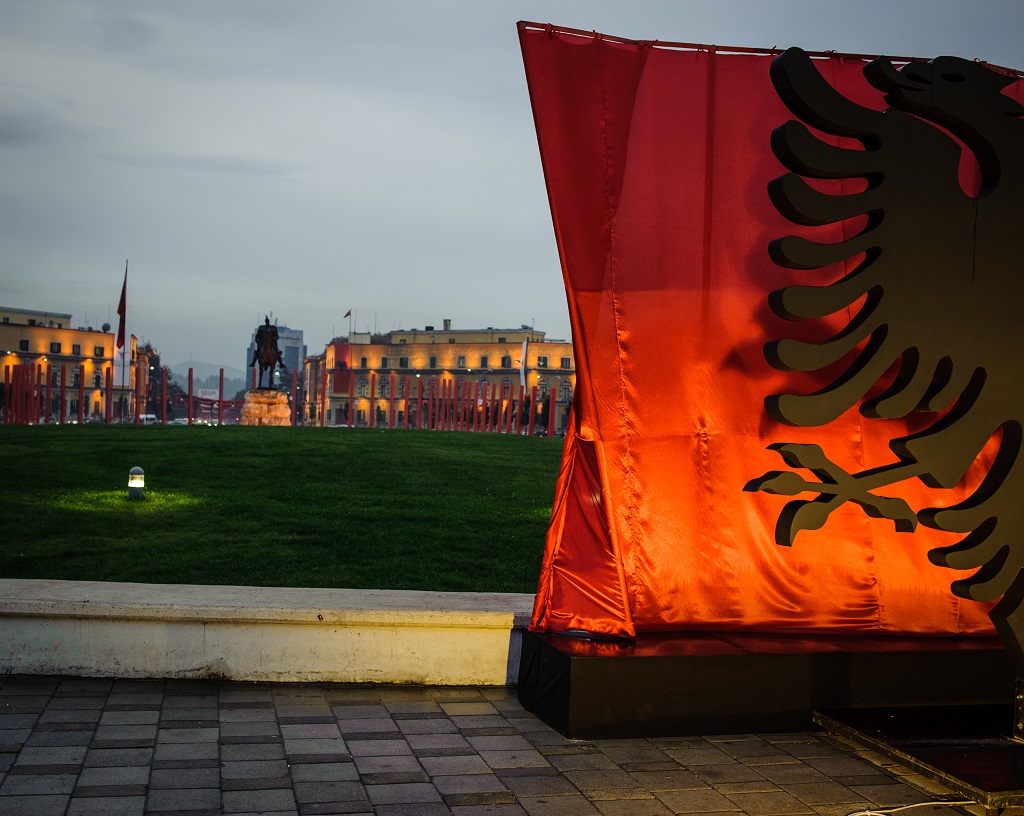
[[313, 507]]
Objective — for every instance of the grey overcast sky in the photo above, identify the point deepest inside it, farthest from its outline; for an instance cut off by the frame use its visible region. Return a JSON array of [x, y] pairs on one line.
[[306, 158]]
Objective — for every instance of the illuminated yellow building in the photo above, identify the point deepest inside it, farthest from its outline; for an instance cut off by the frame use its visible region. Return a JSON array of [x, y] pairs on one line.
[[360, 373], [77, 357]]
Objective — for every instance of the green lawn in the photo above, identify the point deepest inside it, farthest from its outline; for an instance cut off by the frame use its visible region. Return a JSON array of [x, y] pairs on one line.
[[314, 507]]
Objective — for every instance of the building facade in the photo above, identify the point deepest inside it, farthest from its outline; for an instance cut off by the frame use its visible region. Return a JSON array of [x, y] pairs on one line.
[[43, 358], [391, 380]]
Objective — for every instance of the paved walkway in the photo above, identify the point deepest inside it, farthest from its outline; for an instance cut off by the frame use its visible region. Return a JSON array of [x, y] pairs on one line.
[[72, 746]]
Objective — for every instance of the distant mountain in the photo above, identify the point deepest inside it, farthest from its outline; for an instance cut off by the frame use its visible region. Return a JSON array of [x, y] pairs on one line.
[[200, 371]]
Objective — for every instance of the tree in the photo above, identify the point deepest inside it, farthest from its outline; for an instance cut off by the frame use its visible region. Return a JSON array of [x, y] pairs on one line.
[[524, 413], [155, 379]]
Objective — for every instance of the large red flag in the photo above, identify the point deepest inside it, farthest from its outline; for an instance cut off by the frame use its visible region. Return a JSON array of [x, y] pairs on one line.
[[657, 161], [121, 309]]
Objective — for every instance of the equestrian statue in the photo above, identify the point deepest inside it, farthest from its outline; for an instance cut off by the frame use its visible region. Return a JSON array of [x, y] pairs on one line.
[[267, 355]]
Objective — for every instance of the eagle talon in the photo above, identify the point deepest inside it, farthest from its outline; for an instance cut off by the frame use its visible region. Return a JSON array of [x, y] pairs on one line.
[[836, 483]]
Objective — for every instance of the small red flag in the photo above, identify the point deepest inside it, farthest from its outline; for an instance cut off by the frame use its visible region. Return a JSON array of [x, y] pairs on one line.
[[121, 308], [347, 314]]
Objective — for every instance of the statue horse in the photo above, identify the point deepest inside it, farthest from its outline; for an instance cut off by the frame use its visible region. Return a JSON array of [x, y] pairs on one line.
[[267, 355]]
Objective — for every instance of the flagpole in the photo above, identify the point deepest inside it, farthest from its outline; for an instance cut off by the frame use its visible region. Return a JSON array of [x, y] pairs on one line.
[[123, 401], [123, 309]]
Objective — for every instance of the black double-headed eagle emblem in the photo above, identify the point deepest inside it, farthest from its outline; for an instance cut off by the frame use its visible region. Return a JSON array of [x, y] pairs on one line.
[[937, 302]]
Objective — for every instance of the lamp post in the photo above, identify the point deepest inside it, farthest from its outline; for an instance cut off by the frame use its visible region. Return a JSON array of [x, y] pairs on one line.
[[136, 484]]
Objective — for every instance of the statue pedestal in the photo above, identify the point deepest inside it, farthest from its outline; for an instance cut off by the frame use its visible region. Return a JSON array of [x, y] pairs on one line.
[[266, 407]]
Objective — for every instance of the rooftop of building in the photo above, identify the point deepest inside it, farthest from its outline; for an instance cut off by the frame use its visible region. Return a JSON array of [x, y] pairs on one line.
[[35, 314], [38, 318], [447, 333]]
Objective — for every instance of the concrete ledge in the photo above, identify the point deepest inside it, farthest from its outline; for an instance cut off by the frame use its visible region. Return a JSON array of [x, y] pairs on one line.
[[257, 633]]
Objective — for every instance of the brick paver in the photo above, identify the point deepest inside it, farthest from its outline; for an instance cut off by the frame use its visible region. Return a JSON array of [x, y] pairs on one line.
[[78, 746]]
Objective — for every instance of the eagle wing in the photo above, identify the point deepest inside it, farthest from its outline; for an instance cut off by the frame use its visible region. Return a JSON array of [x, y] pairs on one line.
[[910, 243]]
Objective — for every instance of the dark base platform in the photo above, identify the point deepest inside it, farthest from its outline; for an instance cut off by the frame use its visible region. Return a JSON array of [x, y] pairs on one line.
[[721, 683], [966, 748]]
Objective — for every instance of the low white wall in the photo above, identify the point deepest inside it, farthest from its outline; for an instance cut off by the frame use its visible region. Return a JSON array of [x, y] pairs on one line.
[[255, 633]]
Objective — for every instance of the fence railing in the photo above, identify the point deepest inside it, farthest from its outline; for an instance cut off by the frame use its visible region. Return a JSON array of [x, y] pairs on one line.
[[440, 404], [36, 393], [44, 393]]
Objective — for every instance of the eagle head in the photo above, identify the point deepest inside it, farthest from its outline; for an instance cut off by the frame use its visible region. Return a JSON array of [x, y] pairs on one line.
[[949, 84]]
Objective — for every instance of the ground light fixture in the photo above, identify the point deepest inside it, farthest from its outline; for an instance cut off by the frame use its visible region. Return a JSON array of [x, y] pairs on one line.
[[136, 483]]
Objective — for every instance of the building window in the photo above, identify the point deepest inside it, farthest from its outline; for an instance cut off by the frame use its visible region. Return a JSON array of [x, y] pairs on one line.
[[384, 387], [542, 388], [483, 361], [567, 362], [362, 362], [461, 363], [542, 362], [506, 362], [403, 362], [451, 339], [565, 391], [74, 377], [401, 342], [23, 344], [501, 340], [433, 363], [383, 362], [97, 351], [7, 320], [31, 321], [54, 348], [76, 349], [363, 388], [96, 380]]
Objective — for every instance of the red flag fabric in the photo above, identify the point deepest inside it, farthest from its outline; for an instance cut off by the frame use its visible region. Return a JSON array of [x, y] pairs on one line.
[[347, 314], [657, 163], [122, 309]]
